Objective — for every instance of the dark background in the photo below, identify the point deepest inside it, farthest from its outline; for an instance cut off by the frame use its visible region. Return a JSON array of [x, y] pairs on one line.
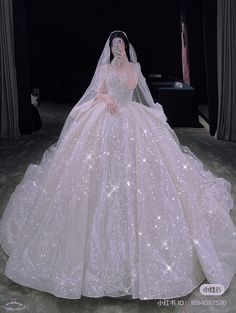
[[58, 43], [66, 40]]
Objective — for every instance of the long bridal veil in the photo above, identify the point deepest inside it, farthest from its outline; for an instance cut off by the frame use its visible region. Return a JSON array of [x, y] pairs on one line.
[[141, 94], [93, 217]]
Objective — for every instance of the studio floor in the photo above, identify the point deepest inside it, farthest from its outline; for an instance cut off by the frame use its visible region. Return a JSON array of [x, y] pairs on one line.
[[15, 156]]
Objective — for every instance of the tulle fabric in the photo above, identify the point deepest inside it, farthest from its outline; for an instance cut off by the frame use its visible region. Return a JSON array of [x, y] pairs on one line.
[[119, 208], [141, 93]]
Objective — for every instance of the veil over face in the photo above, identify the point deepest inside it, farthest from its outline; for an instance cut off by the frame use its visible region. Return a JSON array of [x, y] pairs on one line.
[[141, 93]]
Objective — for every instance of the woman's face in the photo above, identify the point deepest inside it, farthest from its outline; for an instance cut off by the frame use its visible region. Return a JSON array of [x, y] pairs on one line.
[[117, 46]]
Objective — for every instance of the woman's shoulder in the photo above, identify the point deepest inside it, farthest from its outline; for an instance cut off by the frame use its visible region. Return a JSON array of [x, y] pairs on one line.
[[102, 69], [104, 66], [135, 65]]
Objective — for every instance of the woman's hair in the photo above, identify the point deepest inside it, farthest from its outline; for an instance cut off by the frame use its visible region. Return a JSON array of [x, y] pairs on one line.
[[119, 34]]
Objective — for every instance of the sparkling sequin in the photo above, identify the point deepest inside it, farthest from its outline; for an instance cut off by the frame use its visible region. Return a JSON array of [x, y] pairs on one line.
[[119, 207]]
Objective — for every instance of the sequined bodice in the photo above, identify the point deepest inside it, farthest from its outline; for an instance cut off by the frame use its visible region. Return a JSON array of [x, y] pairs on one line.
[[117, 86]]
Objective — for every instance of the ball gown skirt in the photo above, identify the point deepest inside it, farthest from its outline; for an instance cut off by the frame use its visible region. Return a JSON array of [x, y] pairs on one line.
[[119, 208]]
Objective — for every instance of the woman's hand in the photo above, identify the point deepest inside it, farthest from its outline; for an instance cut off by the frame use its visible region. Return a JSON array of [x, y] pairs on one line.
[[117, 51], [111, 106]]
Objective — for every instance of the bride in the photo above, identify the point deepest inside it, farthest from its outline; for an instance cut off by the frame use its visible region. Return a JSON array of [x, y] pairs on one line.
[[117, 206]]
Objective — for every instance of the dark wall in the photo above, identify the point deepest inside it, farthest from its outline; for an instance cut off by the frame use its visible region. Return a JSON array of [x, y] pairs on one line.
[[194, 18], [58, 44], [202, 24], [210, 47], [66, 40], [29, 119]]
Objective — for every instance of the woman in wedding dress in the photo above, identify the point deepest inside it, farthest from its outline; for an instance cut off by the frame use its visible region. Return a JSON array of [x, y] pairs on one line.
[[117, 206]]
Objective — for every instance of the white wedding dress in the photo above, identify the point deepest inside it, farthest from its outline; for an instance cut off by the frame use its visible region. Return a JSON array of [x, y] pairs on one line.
[[117, 208]]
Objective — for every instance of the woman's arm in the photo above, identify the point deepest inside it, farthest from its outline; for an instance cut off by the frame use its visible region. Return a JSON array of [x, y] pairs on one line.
[[102, 92]]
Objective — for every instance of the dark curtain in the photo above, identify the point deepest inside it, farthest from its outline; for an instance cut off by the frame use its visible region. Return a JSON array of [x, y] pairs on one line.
[[191, 10], [185, 47], [226, 61], [209, 18], [9, 96]]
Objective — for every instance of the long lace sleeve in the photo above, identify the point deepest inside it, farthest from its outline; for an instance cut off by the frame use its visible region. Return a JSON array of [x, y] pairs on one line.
[[95, 92], [101, 91]]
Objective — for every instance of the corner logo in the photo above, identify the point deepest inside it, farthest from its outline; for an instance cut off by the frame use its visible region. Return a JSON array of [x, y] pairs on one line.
[[212, 289], [13, 305]]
